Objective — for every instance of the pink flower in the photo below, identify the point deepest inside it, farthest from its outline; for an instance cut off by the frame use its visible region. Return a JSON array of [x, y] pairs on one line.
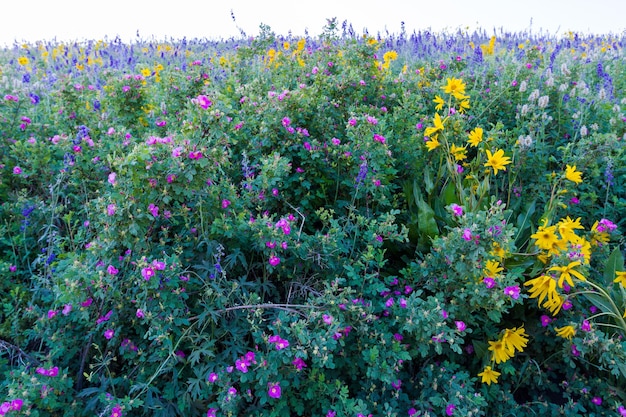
[[352, 122], [116, 411], [241, 365], [299, 363], [586, 326], [467, 235], [12, 268], [456, 209], [108, 334], [158, 265], [335, 141], [274, 390], [212, 412], [111, 210], [203, 101], [596, 400], [225, 203], [489, 282], [67, 308], [126, 89], [460, 326], [51, 313], [450, 409], [111, 270], [17, 170], [545, 320], [512, 291], [87, 302], [139, 313], [379, 138], [212, 377], [328, 319], [177, 151], [274, 260], [113, 179], [147, 273], [154, 210]]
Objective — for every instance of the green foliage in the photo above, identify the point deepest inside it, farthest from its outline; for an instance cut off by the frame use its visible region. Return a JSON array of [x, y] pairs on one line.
[[272, 230]]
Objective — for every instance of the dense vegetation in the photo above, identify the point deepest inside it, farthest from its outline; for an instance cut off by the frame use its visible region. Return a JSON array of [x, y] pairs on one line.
[[409, 225]]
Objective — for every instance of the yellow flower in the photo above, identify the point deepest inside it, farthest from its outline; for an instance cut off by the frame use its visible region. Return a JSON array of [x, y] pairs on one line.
[[558, 246], [545, 237], [440, 102], [542, 287], [554, 304], [566, 332], [433, 143], [475, 136], [301, 44], [488, 376], [500, 351], [566, 228], [497, 161], [456, 87], [459, 152], [492, 269], [582, 248], [286, 46], [598, 238], [431, 130], [23, 61], [567, 272], [463, 106], [497, 250], [372, 41], [146, 72], [573, 175], [390, 56], [620, 277], [515, 339]]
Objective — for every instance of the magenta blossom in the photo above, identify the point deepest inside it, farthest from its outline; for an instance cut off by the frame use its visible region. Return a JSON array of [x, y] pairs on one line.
[[154, 210], [456, 209], [299, 363], [111, 270], [147, 273], [460, 326], [109, 333], [212, 412], [225, 203], [111, 210], [274, 390], [489, 282], [17, 170], [212, 377], [274, 260], [512, 291], [450, 409]]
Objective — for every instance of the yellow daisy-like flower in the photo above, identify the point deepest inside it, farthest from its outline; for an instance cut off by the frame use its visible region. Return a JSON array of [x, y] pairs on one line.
[[582, 247], [497, 161], [433, 143], [620, 277], [438, 126], [598, 238], [545, 237], [515, 339], [439, 103], [567, 226], [573, 175], [459, 152], [475, 136], [146, 72], [500, 351], [497, 250], [554, 304], [23, 61], [492, 269], [464, 105], [488, 376], [566, 332], [567, 272], [558, 246], [455, 87], [390, 56], [542, 287]]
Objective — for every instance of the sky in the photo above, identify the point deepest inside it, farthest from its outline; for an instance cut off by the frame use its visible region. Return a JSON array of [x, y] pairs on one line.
[[79, 20]]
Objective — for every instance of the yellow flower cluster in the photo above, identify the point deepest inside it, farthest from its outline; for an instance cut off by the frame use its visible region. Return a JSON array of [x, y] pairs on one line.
[[512, 340]]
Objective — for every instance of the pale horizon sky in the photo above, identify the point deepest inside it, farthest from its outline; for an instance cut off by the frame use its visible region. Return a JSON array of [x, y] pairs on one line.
[[79, 20]]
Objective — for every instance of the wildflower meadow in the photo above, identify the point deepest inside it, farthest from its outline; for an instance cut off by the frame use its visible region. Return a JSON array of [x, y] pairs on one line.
[[425, 224]]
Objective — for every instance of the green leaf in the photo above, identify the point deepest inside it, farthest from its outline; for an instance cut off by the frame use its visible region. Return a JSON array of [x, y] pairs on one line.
[[614, 264]]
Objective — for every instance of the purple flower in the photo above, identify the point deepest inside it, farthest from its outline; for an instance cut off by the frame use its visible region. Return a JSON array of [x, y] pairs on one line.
[[274, 260], [108, 334], [17, 170], [212, 412], [596, 400], [154, 210], [489, 282], [335, 141], [328, 319], [113, 179], [51, 313], [456, 209], [66, 309], [274, 390], [379, 138], [512, 291], [545, 320], [111, 210], [212, 377], [450, 409], [241, 365], [622, 411], [147, 273], [203, 101], [139, 313], [467, 235], [460, 325], [299, 363], [331, 413], [225, 203], [111, 270]]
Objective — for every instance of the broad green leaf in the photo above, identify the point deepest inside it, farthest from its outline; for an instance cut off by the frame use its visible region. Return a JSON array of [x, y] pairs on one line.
[[614, 264]]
